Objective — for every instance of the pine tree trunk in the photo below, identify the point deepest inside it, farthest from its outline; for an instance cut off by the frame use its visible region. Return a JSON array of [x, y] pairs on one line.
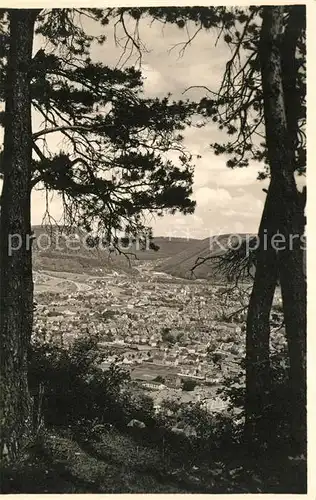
[[293, 287], [257, 424], [294, 292], [289, 216], [16, 285], [294, 295]]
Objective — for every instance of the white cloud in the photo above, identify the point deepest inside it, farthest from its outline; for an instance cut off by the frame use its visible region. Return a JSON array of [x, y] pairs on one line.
[[154, 82], [206, 196], [211, 169]]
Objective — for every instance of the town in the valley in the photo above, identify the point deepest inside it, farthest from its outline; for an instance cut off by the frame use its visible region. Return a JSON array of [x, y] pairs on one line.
[[178, 338]]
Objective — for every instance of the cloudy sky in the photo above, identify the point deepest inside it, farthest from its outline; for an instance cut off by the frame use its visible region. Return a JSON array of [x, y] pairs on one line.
[[227, 200]]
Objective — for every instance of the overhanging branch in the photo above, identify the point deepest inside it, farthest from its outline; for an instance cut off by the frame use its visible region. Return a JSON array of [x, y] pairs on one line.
[[61, 129]]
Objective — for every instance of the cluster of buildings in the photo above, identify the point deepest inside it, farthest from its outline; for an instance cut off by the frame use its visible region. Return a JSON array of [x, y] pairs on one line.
[[151, 325]]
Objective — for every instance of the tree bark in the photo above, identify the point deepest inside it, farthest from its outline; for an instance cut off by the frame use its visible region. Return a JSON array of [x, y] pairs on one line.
[[294, 292], [257, 401], [289, 214], [296, 24], [16, 284]]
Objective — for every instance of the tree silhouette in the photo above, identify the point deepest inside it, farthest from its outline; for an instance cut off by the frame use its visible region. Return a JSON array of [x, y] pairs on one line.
[[112, 170]]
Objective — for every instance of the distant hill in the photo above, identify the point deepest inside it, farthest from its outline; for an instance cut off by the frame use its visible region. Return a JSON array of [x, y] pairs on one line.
[[53, 250], [181, 264], [176, 256]]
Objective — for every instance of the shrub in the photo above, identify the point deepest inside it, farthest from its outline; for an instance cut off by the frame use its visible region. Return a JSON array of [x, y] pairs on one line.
[[140, 407], [217, 357], [168, 336], [76, 391], [203, 431], [188, 385], [213, 430], [233, 390], [108, 314]]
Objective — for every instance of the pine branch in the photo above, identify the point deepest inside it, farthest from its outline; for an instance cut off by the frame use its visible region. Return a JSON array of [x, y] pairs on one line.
[[62, 129]]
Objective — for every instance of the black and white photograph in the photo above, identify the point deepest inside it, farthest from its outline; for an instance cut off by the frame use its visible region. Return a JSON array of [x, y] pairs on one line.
[[153, 250]]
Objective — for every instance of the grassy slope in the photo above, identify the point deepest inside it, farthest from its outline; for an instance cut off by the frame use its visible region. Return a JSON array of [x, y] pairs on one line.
[[79, 260], [117, 463], [181, 264]]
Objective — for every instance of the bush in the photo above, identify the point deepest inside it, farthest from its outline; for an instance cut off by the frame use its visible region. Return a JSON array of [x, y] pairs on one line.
[[188, 385], [233, 390], [76, 391], [168, 336], [204, 431], [140, 407], [216, 357], [108, 314], [213, 430]]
